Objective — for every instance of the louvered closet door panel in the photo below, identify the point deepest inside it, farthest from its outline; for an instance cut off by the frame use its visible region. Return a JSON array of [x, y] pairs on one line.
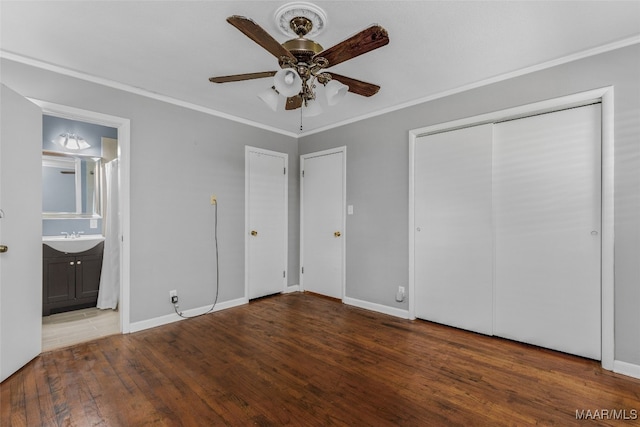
[[453, 237], [547, 230]]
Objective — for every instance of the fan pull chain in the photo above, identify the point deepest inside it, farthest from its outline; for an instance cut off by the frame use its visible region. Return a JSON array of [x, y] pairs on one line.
[[301, 118]]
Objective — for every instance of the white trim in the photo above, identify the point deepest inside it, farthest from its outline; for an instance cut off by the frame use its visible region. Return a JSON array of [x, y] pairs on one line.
[[605, 95], [285, 157], [137, 91], [303, 157], [486, 82], [291, 289], [384, 309], [124, 147], [120, 86], [608, 229], [173, 317], [625, 368]]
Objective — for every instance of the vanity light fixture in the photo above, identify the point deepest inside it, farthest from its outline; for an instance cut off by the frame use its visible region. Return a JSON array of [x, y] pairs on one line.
[[71, 141]]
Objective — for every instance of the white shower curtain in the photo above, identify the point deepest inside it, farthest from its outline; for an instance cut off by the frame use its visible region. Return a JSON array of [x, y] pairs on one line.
[[110, 278]]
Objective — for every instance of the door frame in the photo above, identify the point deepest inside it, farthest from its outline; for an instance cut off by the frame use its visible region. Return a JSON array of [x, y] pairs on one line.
[[247, 227], [303, 157], [124, 147], [605, 96]]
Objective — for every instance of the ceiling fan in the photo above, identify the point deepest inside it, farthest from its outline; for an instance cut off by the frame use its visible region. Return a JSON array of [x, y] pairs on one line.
[[303, 62]]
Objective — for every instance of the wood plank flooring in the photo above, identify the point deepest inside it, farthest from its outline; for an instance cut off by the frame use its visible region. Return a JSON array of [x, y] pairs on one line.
[[298, 359]]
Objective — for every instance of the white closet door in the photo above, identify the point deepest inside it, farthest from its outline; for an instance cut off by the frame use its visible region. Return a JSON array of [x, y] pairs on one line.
[[547, 230], [266, 190], [453, 235], [322, 222]]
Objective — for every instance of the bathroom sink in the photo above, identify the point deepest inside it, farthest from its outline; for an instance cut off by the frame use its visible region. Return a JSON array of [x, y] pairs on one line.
[[73, 244]]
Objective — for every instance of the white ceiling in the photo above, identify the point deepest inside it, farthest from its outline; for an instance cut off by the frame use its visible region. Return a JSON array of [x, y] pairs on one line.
[[171, 48]]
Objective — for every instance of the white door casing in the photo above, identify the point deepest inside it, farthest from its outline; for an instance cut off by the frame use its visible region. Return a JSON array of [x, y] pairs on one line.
[[453, 230], [547, 230], [124, 148], [20, 231], [266, 220], [322, 222]]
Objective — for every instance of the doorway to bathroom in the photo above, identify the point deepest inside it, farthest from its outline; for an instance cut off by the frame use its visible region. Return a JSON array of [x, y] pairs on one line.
[[85, 294]]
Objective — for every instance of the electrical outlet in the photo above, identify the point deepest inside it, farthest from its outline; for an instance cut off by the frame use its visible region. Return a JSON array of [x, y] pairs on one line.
[[401, 289], [214, 199], [400, 294], [173, 295]]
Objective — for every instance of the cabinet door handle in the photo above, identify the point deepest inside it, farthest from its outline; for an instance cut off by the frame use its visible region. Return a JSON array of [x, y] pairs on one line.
[[71, 263], [79, 262]]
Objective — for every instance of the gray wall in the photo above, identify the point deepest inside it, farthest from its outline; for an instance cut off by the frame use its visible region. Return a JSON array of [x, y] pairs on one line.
[[377, 178], [179, 157]]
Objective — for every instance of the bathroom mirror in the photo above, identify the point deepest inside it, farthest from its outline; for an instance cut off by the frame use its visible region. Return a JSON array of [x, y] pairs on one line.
[[70, 186]]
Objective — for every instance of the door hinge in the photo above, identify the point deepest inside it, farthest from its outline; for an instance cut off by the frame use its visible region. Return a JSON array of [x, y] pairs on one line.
[[303, 174], [284, 274], [285, 171], [302, 270]]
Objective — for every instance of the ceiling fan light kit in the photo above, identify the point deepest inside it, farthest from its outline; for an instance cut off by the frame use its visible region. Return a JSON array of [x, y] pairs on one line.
[[303, 62], [271, 98], [287, 82]]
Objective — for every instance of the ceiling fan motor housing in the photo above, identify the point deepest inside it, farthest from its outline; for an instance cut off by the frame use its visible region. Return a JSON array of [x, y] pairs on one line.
[[303, 49]]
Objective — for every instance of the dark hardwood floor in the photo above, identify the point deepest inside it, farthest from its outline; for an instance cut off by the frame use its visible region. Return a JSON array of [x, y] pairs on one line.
[[303, 360]]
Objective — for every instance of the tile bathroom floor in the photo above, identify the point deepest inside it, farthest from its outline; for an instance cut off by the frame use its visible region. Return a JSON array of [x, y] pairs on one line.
[[73, 327]]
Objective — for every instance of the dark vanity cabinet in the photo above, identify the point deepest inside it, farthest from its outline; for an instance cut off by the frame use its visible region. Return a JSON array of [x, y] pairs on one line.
[[70, 280]]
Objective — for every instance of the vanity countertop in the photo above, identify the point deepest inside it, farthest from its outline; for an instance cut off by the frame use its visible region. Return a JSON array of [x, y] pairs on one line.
[[80, 243]]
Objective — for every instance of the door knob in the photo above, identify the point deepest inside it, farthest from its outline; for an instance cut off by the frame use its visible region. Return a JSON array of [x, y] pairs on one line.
[[3, 249], [254, 233], [337, 234]]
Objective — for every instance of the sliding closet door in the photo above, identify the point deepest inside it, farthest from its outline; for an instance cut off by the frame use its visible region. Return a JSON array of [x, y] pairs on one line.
[[547, 230], [453, 236]]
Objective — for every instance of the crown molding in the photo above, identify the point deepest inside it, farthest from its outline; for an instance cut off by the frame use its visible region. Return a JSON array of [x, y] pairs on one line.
[[131, 89], [502, 77], [137, 91]]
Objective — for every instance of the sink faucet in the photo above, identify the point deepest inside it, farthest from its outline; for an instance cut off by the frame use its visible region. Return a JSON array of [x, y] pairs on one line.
[[66, 235]]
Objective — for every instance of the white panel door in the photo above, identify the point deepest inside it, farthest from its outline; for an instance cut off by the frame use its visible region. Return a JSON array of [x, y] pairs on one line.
[[20, 231], [266, 222], [547, 230], [322, 223], [453, 235]]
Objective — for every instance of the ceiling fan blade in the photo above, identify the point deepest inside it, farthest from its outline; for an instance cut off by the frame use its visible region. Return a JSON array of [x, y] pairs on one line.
[[260, 36], [365, 41], [241, 77], [293, 102], [357, 86]]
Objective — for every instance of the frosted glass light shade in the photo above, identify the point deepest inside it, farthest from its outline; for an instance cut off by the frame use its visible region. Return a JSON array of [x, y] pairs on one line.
[[335, 91], [287, 82], [270, 97], [312, 109], [71, 141]]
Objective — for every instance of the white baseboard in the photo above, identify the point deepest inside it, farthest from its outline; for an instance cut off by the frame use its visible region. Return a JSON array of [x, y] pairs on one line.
[[173, 317], [625, 368], [384, 309], [292, 288]]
